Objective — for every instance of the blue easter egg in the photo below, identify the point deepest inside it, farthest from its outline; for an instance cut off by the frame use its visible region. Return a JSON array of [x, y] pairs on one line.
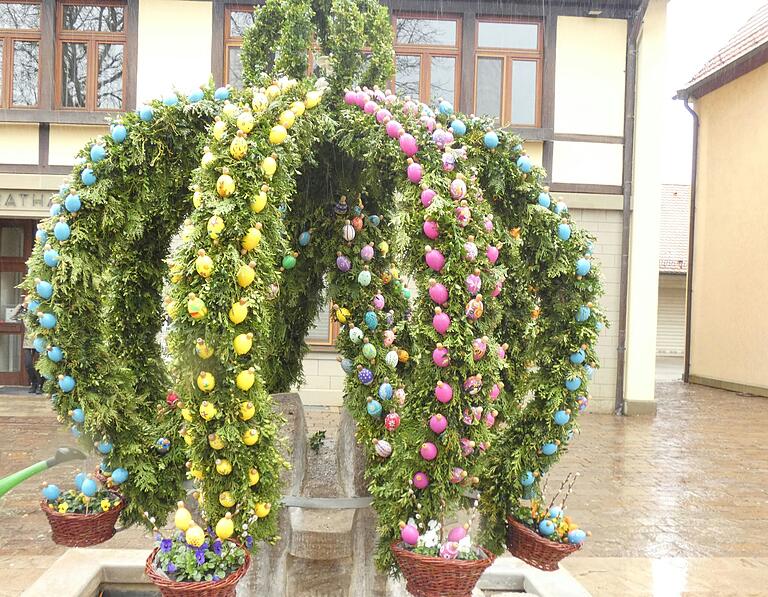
[[48, 321], [104, 447], [561, 417], [304, 239], [79, 478], [573, 383], [576, 536], [61, 231], [527, 479], [458, 127], [491, 140], [119, 133], [72, 203], [162, 445], [564, 231], [33, 306], [67, 383], [88, 177], [63, 190], [371, 320], [544, 200], [555, 512], [577, 358], [51, 492], [89, 487], [517, 147], [51, 257], [374, 408], [75, 432], [146, 113], [599, 326], [589, 370], [348, 366], [583, 313], [546, 527], [560, 207], [549, 448], [170, 100], [525, 164], [55, 210], [445, 108], [365, 376], [582, 267], [44, 289], [221, 94], [41, 236], [98, 153], [55, 354], [374, 220], [78, 416], [40, 344], [385, 391], [195, 96], [47, 376], [119, 476]]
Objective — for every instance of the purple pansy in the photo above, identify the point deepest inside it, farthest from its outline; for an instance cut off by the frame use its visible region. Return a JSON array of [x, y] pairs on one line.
[[215, 577], [171, 568], [200, 556], [165, 545], [217, 547], [249, 542]]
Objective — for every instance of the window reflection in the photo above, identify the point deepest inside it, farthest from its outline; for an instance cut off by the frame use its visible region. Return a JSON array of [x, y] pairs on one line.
[[74, 62], [425, 32], [26, 56], [443, 78], [18, 15], [110, 88], [93, 18], [489, 72], [408, 75]]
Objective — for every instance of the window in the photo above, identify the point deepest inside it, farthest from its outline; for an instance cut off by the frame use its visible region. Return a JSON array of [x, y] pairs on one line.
[[324, 329], [237, 20], [427, 57], [91, 42], [19, 54], [508, 71]]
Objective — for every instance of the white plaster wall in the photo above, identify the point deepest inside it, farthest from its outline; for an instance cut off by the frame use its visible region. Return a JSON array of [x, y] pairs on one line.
[[587, 163], [174, 47]]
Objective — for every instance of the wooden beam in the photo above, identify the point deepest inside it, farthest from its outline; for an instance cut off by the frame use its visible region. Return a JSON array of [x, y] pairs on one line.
[[580, 138], [131, 56], [43, 143], [54, 116], [217, 42], [594, 189], [47, 55], [33, 169]]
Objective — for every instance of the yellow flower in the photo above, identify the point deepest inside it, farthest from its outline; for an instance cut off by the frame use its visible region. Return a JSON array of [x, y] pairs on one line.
[[105, 504], [63, 507]]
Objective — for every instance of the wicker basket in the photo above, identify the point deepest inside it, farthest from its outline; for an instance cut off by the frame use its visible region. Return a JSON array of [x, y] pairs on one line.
[[538, 551], [82, 530], [428, 576], [225, 587]]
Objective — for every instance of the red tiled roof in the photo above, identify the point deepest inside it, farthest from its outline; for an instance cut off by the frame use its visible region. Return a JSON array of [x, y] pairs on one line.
[[753, 34], [673, 239]]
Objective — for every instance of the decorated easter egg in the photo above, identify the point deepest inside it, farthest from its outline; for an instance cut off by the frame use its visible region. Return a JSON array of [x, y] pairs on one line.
[[55, 354], [440, 356], [369, 351], [414, 172], [78, 416], [40, 344], [546, 527], [525, 164], [420, 480], [431, 229], [438, 423], [427, 196], [409, 534], [428, 451], [356, 335], [385, 391], [119, 476], [97, 153], [89, 487], [343, 263], [371, 320], [441, 321], [549, 449], [527, 479], [51, 492], [491, 140], [119, 133], [458, 128], [66, 383], [51, 257], [583, 313], [457, 533], [378, 301], [364, 278], [221, 94], [392, 421], [348, 366], [408, 145], [373, 407], [563, 231], [443, 392], [583, 266], [44, 289], [576, 536], [434, 259], [392, 358], [544, 199], [48, 321], [577, 358], [561, 417], [365, 376], [146, 113], [573, 383]]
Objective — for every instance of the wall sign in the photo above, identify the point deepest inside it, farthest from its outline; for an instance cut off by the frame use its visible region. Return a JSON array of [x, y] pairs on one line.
[[24, 203]]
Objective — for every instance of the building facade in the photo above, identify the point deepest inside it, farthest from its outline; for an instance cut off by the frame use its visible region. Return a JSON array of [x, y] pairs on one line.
[[578, 80]]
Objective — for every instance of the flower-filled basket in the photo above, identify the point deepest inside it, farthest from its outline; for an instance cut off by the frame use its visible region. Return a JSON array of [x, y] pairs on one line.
[[196, 563], [84, 516], [435, 568]]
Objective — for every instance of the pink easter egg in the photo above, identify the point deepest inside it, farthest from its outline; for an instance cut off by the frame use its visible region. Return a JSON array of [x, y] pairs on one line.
[[378, 301], [370, 107], [474, 283], [490, 419], [350, 98], [420, 480], [428, 451], [502, 352], [443, 392], [394, 128], [366, 253], [458, 474], [408, 145], [431, 229], [390, 99], [361, 98], [449, 550], [435, 259], [383, 116], [497, 289], [457, 534], [440, 357], [492, 253], [438, 423], [409, 534], [495, 391], [427, 195], [414, 173], [488, 223], [389, 337], [430, 123], [458, 188], [438, 293], [410, 107], [441, 322]]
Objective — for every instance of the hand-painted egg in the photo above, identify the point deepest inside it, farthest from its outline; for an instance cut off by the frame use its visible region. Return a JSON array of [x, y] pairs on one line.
[[378, 301], [366, 377], [391, 358], [495, 391], [470, 251], [479, 348], [582, 267], [382, 448], [348, 366], [374, 220], [394, 128], [289, 262], [44, 289], [544, 199], [40, 344], [373, 407], [392, 421], [364, 278], [473, 384], [304, 238], [583, 402], [474, 283], [385, 391], [573, 383], [41, 236], [104, 447], [369, 351], [420, 480], [367, 252], [55, 210], [427, 196], [492, 253], [343, 263], [577, 358], [560, 208], [583, 313], [356, 335], [549, 449], [88, 177], [445, 108], [458, 190], [475, 308]]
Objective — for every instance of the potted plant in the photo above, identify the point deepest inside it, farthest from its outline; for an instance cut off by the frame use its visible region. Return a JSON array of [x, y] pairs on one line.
[[193, 561], [82, 516], [541, 534]]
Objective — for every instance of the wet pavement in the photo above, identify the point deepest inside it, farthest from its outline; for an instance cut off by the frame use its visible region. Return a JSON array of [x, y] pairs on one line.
[[677, 504]]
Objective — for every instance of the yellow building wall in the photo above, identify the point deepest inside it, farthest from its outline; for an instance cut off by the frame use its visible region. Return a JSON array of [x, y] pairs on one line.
[[729, 330], [174, 47], [587, 163], [67, 140], [535, 150], [589, 75], [18, 143]]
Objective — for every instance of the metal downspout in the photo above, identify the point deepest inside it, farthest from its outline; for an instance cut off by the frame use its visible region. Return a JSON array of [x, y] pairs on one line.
[[691, 225]]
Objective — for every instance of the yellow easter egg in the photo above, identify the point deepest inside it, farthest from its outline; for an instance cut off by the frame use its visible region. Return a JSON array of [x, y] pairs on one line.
[[253, 476], [186, 414], [226, 499], [225, 528], [207, 409], [238, 312], [219, 128], [251, 239], [215, 441], [251, 437], [188, 438], [202, 349], [196, 473], [260, 101], [207, 159], [243, 343], [298, 108], [195, 536], [182, 519], [225, 185], [278, 134], [206, 382], [245, 122], [262, 509], [313, 98], [215, 226], [238, 148], [204, 264], [247, 410], [197, 200], [245, 275], [287, 118], [272, 92], [230, 109], [196, 307], [223, 467], [245, 379], [269, 166], [259, 202]]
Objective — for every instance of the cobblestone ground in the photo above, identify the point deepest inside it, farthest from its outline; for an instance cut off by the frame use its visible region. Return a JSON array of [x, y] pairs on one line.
[[677, 504]]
